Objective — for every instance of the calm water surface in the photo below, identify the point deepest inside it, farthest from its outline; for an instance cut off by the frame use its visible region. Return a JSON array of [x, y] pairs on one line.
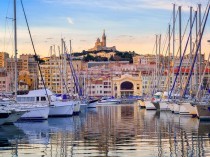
[[124, 130]]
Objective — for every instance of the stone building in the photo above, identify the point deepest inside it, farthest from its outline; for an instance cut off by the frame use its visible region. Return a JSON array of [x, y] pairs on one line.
[[101, 44], [5, 81], [127, 85], [3, 58], [26, 64], [57, 75]]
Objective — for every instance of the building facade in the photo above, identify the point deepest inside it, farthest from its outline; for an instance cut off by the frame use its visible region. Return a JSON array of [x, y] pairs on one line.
[[5, 82], [101, 45], [127, 85], [3, 59]]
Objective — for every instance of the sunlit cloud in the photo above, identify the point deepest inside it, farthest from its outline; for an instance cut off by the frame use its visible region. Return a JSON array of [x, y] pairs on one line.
[[70, 21]]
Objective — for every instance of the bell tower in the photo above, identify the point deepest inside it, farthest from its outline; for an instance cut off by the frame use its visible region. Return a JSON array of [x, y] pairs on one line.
[[104, 39]]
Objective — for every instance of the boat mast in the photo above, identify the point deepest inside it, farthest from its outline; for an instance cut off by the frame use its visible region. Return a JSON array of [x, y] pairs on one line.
[[199, 57], [191, 9], [169, 56], [196, 64], [180, 42], [15, 50], [174, 38], [159, 67], [61, 57], [156, 69]]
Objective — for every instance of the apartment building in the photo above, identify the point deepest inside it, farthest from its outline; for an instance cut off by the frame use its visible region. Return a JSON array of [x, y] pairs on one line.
[[3, 58], [5, 81], [57, 75]]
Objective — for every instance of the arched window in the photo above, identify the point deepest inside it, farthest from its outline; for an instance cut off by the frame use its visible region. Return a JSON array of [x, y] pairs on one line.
[[126, 86]]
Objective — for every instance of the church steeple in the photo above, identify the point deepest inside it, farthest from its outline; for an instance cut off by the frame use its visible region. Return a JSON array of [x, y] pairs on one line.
[[104, 39]]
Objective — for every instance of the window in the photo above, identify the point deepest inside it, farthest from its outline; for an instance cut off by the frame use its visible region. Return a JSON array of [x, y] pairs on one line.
[[43, 98], [37, 98]]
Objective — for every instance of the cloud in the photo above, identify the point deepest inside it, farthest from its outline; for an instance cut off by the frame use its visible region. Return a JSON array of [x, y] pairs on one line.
[[70, 21]]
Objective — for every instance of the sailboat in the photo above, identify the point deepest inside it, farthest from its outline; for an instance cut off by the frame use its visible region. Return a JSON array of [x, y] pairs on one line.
[[32, 105], [60, 106], [10, 114], [203, 105], [189, 107]]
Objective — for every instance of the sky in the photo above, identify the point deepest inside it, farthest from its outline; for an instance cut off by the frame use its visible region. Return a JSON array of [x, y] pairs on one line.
[[130, 25]]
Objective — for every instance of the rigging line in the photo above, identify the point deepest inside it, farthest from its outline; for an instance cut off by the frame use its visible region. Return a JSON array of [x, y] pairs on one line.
[[10, 32], [203, 19], [34, 50], [166, 37], [61, 72], [5, 24], [200, 85], [74, 72], [162, 69], [197, 48], [185, 31], [188, 64], [153, 50], [180, 64]]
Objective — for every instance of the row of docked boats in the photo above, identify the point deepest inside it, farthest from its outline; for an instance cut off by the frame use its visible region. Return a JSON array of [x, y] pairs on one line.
[[36, 105], [186, 107]]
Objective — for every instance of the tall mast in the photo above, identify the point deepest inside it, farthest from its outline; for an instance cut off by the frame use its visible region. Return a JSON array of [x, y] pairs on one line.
[[15, 49], [191, 9], [199, 58], [65, 65], [72, 73], [61, 57], [51, 68], [156, 69], [180, 42], [159, 67], [169, 58], [174, 35], [196, 65]]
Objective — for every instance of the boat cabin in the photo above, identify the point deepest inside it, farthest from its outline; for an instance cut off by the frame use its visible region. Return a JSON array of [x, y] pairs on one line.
[[34, 96]]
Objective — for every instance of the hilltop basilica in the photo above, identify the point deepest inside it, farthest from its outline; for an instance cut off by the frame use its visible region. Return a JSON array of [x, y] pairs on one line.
[[100, 45]]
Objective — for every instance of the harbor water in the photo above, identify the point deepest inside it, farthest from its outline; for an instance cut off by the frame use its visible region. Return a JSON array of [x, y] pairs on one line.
[[120, 130]]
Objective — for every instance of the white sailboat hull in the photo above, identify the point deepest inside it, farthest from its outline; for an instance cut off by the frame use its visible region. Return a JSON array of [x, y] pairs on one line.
[[164, 106], [171, 106], [149, 105], [92, 105], [36, 113], [203, 111], [187, 109], [60, 108], [176, 108], [14, 116], [106, 103]]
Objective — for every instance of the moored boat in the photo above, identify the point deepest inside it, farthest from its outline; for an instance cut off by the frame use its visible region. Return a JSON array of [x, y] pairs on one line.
[[36, 103], [187, 109], [203, 110], [92, 103], [149, 105], [59, 109]]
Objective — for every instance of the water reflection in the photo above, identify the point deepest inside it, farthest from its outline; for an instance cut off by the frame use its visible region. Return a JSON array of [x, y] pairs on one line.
[[108, 131]]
